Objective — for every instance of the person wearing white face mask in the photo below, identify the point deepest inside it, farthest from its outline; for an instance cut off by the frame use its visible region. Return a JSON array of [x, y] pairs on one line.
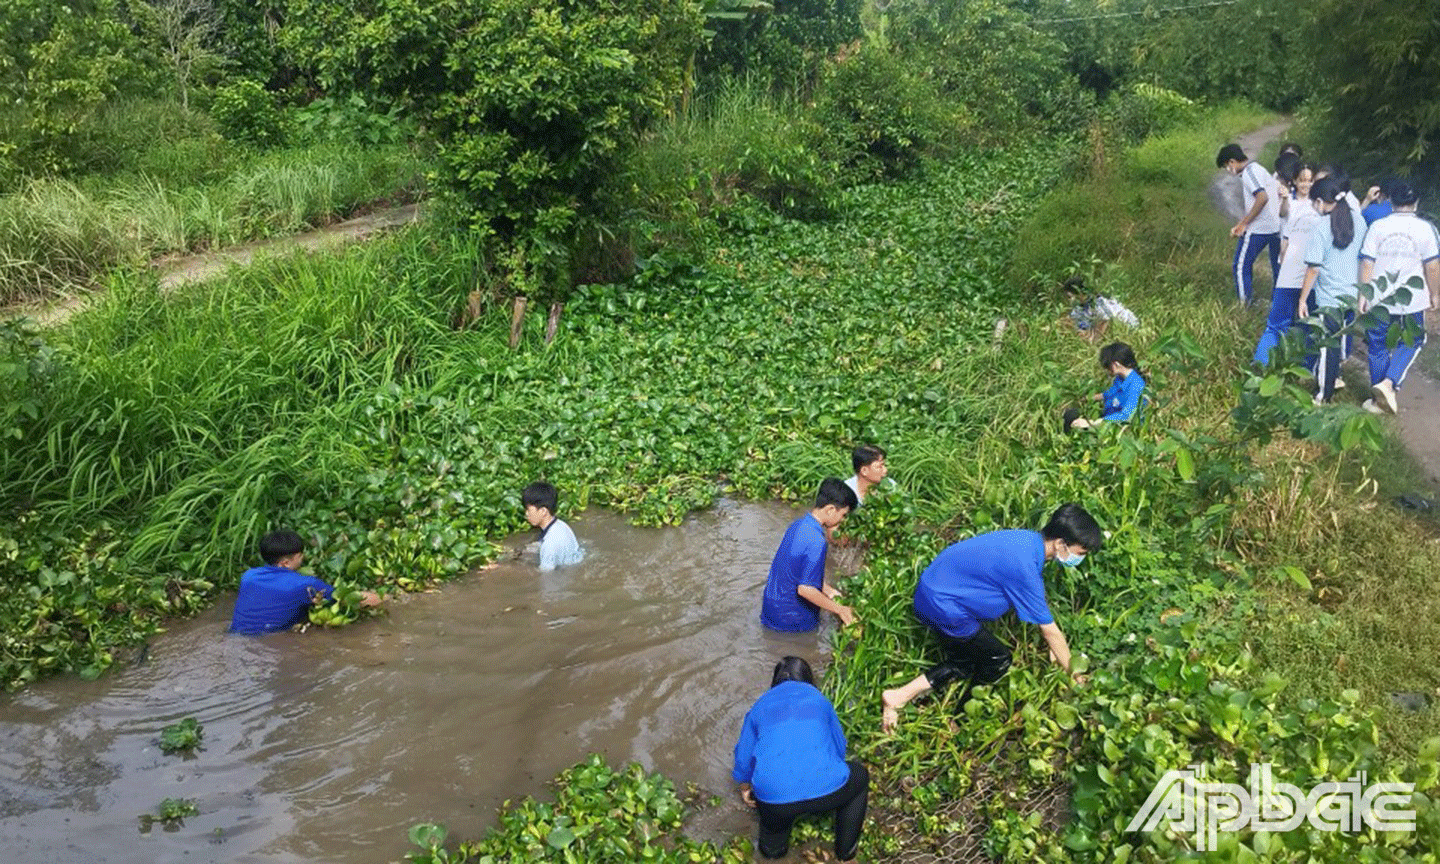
[[980, 579]]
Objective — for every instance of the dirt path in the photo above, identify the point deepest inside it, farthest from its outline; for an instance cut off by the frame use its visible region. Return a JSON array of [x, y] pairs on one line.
[[178, 271], [1418, 423]]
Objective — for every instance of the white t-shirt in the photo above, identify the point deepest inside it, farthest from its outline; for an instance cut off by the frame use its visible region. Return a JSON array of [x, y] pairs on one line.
[[1254, 179], [1297, 235], [1400, 244]]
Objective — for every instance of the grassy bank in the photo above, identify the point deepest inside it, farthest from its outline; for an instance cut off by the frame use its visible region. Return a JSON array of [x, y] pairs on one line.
[[60, 235], [339, 395]]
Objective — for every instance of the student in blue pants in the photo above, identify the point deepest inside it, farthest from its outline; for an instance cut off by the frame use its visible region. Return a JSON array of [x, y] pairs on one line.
[[1402, 247], [1332, 264], [1259, 229], [1296, 178]]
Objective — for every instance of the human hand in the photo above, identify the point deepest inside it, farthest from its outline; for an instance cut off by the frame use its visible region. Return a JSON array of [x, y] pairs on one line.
[[1371, 195], [1238, 230], [746, 795], [1080, 680], [369, 598], [831, 591], [1301, 311], [846, 615]]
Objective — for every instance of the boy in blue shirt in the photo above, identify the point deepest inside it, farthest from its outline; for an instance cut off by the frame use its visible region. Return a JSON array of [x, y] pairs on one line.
[[796, 591], [558, 546], [979, 580], [277, 596]]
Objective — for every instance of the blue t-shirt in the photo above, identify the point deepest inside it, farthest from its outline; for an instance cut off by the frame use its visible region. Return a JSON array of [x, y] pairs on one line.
[[274, 598], [980, 579], [1122, 397], [800, 560], [1339, 268], [791, 747], [1376, 210]]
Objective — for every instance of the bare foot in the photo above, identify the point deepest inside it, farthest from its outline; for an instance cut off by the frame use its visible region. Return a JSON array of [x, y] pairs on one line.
[[890, 712]]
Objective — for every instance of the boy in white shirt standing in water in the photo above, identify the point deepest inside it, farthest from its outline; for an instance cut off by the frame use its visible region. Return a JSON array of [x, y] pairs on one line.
[[1259, 229], [558, 546], [869, 463], [1401, 247]]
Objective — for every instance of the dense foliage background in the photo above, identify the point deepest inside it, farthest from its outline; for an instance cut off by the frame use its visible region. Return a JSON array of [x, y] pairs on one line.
[[777, 229]]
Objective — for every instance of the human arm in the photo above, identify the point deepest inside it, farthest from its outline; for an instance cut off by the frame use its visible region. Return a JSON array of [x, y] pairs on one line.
[[743, 770], [1058, 644], [817, 596], [1312, 273], [1366, 273], [1432, 279], [1260, 198]]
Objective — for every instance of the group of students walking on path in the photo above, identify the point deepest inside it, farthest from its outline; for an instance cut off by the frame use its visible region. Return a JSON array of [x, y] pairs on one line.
[[1332, 257]]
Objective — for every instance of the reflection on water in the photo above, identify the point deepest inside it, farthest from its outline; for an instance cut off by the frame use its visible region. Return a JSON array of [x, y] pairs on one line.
[[327, 746]]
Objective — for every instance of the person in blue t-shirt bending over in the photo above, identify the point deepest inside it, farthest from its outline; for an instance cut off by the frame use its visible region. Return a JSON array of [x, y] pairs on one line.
[[790, 761], [980, 579], [1122, 400], [796, 590], [276, 596], [558, 546]]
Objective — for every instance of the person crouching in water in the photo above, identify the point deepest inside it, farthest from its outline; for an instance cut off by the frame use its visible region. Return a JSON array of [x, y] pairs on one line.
[[790, 761], [1123, 399]]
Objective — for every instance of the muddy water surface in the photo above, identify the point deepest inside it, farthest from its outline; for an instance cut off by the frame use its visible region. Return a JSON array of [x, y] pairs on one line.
[[327, 746]]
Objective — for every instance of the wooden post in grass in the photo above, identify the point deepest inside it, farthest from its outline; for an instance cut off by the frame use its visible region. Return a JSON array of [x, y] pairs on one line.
[[554, 323], [517, 321]]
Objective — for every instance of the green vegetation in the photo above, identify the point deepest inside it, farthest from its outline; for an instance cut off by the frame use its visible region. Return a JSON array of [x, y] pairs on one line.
[[171, 814], [181, 737], [58, 235], [599, 815], [858, 242]]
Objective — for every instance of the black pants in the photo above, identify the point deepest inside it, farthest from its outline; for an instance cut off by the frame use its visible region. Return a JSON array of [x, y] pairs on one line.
[[848, 802], [981, 659]]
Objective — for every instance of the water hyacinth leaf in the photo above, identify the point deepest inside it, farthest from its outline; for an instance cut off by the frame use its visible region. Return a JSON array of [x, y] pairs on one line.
[[560, 837]]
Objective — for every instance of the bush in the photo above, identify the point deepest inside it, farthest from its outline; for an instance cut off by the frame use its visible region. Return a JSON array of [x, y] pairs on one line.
[[741, 143], [535, 106], [881, 115], [245, 111]]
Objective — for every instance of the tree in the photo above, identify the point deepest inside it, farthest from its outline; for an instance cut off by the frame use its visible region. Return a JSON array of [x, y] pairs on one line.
[[534, 103], [59, 61], [185, 31], [1378, 81]]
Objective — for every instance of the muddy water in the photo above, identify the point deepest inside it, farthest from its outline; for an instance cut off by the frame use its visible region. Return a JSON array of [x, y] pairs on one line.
[[327, 746]]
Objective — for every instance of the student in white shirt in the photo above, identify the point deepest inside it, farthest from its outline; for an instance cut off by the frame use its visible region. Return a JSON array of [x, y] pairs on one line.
[[1402, 248], [558, 546], [1259, 229], [1295, 180]]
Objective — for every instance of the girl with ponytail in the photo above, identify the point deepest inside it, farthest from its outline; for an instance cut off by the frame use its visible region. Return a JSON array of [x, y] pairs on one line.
[[1332, 271]]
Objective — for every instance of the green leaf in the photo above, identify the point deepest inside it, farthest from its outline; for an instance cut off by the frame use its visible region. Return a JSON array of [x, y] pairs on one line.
[[561, 837]]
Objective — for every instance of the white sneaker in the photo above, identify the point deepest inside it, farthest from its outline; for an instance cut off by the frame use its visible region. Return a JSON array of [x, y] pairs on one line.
[[1369, 405], [1385, 396]]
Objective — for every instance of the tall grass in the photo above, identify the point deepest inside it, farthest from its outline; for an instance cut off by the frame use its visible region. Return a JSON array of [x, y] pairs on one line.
[[59, 235]]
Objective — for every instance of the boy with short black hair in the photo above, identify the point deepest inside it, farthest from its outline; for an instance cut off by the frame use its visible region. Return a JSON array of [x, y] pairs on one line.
[[869, 464], [796, 591], [1259, 229], [277, 596], [978, 580], [558, 546]]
